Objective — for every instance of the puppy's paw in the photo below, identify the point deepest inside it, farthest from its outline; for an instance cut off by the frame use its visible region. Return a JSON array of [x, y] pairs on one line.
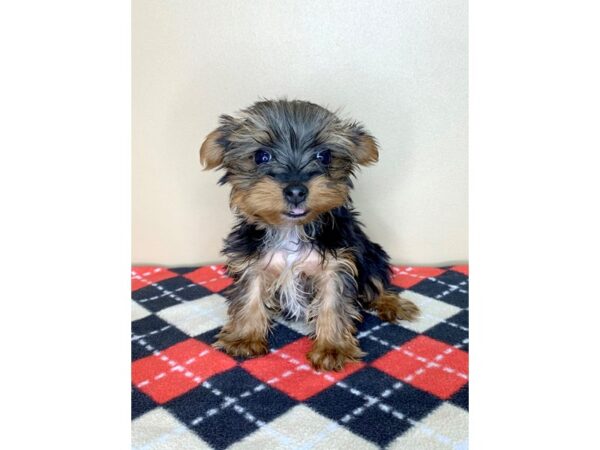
[[333, 358], [390, 308], [245, 348], [407, 310]]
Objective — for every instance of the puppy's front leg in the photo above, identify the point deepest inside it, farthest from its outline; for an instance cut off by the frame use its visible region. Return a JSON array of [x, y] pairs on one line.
[[245, 333], [334, 310]]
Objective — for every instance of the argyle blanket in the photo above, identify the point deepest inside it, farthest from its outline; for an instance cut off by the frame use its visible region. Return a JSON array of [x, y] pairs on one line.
[[409, 392]]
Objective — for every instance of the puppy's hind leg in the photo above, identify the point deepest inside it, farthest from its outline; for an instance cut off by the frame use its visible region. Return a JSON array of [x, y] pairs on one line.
[[391, 307]]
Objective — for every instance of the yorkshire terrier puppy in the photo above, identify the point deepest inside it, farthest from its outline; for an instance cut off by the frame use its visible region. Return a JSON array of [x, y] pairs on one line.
[[297, 248]]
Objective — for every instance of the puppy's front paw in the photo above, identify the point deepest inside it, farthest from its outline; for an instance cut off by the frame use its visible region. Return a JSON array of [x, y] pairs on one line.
[[242, 347], [333, 358]]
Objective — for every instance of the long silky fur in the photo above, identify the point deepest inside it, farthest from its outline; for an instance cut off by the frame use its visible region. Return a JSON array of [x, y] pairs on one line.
[[355, 271]]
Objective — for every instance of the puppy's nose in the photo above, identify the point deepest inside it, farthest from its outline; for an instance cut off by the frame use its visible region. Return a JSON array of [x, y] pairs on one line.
[[295, 193]]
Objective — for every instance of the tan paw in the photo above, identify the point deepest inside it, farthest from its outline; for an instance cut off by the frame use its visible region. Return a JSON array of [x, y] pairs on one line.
[[390, 308], [242, 347], [408, 310], [333, 358]]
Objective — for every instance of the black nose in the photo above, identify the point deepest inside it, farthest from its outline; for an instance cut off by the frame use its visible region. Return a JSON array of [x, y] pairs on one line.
[[295, 193]]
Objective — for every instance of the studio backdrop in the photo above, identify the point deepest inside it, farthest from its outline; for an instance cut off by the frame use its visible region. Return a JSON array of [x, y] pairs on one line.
[[399, 67]]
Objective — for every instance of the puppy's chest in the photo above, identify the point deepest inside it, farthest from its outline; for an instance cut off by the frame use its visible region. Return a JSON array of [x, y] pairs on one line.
[[291, 264], [286, 251]]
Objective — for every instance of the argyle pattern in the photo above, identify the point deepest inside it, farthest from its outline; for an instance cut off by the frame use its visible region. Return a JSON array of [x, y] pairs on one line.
[[410, 391]]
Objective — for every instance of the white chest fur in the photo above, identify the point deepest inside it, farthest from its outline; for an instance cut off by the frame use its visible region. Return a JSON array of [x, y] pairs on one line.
[[292, 262]]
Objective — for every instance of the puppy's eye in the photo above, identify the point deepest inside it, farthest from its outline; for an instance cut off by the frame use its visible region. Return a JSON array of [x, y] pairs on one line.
[[262, 156], [324, 157]]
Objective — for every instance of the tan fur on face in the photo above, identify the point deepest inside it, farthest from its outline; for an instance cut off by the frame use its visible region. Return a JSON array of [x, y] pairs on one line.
[[211, 153], [263, 201], [324, 195]]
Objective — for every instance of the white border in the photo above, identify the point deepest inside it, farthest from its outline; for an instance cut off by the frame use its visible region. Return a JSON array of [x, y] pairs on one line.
[[65, 175], [534, 224]]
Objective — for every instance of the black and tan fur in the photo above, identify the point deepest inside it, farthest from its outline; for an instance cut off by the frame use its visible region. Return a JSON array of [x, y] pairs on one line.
[[297, 248]]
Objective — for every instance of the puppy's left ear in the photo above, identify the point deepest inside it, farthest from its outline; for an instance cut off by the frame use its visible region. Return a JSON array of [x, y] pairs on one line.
[[211, 151], [367, 150]]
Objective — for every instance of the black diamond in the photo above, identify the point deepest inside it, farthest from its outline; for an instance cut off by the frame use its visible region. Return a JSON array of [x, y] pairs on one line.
[[224, 412], [152, 333], [140, 403], [377, 342], [367, 412]]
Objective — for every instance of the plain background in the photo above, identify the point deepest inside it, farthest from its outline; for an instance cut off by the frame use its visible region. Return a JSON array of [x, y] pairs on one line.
[[400, 67]]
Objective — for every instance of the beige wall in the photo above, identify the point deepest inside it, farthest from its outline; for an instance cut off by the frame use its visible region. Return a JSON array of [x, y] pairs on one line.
[[400, 67]]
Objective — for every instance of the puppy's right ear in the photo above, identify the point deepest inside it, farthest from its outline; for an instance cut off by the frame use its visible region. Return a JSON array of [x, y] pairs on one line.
[[213, 147], [211, 152]]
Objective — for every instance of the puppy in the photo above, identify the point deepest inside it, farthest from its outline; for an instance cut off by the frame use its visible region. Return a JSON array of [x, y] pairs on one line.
[[297, 248]]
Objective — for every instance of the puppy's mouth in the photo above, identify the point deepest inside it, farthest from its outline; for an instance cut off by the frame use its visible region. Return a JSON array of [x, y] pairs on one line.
[[296, 213]]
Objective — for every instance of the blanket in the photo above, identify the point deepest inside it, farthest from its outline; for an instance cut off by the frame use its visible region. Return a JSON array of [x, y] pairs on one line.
[[410, 391]]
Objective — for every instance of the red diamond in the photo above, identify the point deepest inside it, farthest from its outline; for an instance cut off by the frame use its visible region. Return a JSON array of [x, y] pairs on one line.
[[213, 278], [142, 276], [178, 369], [430, 365], [406, 276], [288, 370]]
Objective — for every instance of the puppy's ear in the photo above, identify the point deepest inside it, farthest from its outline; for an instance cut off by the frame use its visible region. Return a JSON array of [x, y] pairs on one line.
[[211, 152], [213, 147], [367, 150]]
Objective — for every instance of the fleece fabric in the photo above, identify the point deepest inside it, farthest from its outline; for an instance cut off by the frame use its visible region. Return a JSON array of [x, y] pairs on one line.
[[410, 391]]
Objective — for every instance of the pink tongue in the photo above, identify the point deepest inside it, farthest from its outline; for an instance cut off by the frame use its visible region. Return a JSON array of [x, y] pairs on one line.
[[297, 211]]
